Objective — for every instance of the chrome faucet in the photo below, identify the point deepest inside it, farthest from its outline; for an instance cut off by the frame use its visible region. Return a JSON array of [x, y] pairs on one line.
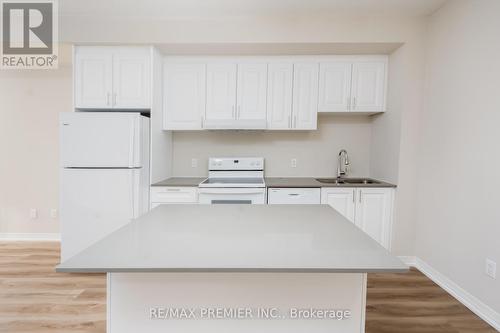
[[343, 163]]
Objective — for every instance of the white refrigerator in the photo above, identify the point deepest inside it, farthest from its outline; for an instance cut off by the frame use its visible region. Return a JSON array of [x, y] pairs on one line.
[[104, 175]]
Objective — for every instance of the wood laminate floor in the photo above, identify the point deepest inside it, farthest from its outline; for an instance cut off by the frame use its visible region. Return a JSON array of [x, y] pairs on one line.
[[33, 298]]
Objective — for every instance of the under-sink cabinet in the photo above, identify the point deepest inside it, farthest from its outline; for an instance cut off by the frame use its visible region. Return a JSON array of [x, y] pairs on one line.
[[370, 209], [161, 195]]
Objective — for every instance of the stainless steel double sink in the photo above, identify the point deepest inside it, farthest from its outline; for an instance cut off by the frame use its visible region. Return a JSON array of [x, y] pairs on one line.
[[352, 181]]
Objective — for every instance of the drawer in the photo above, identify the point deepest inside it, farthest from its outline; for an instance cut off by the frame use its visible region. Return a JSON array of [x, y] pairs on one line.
[[168, 194], [294, 196]]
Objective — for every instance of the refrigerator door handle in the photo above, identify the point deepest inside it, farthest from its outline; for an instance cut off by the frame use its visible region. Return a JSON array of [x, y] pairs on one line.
[[132, 150]]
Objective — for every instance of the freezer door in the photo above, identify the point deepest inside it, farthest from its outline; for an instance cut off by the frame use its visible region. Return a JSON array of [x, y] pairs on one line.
[[101, 139], [96, 202]]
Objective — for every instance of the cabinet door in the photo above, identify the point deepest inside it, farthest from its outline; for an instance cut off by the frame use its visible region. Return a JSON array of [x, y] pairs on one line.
[[221, 92], [251, 92], [305, 96], [279, 96], [374, 213], [93, 78], [184, 96], [368, 86], [131, 79], [342, 199], [334, 86]]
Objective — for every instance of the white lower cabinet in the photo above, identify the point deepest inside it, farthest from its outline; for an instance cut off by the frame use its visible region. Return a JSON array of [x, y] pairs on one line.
[[161, 195], [370, 209], [342, 199], [294, 196]]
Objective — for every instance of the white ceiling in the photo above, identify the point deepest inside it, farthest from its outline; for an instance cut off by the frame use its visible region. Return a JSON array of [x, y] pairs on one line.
[[178, 9]]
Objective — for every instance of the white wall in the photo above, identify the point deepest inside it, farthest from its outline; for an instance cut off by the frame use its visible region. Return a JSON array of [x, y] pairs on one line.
[[458, 213], [30, 102], [315, 151]]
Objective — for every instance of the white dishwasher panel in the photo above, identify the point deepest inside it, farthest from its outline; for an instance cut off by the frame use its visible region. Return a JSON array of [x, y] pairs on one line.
[[294, 196]]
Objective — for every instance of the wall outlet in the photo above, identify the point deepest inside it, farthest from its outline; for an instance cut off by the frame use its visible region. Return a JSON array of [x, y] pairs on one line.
[[194, 163], [491, 268], [293, 162], [33, 213], [53, 213]]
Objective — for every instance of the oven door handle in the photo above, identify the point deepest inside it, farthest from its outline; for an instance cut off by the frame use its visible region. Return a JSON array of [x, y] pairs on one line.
[[230, 191]]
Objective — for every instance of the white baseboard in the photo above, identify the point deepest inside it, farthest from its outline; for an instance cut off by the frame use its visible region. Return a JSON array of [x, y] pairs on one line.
[[35, 236], [473, 303], [409, 260]]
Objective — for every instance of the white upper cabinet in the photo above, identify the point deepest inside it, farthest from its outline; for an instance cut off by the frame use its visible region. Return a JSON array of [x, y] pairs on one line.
[[112, 77], [252, 92], [353, 84], [93, 79], [368, 86], [274, 93], [279, 96], [374, 213], [305, 96], [335, 86], [184, 96], [131, 79], [221, 95]]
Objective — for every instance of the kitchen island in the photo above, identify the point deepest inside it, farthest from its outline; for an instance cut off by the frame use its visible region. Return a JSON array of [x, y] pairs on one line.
[[236, 268]]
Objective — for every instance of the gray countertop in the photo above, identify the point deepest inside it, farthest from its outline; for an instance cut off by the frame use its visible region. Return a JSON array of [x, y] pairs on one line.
[[312, 182], [271, 182], [236, 238], [180, 181]]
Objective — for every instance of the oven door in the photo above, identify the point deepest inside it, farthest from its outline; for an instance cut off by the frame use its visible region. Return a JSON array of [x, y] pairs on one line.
[[242, 196]]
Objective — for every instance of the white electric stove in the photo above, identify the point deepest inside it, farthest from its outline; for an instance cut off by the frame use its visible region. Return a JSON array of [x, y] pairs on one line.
[[234, 180]]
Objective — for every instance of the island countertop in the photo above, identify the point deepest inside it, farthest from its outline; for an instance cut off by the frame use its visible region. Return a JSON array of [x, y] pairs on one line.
[[236, 238]]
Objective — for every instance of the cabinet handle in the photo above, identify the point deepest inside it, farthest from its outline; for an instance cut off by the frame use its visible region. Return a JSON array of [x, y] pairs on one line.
[[114, 99], [201, 121], [354, 103], [293, 194], [353, 196], [294, 121], [289, 122], [108, 98], [232, 112], [348, 103], [360, 196]]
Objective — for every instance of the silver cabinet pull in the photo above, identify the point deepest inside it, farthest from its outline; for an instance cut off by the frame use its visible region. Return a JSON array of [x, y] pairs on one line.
[[360, 196], [354, 103], [232, 112], [108, 98], [353, 196], [289, 122], [114, 99], [349, 103], [201, 121], [294, 121], [293, 194]]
